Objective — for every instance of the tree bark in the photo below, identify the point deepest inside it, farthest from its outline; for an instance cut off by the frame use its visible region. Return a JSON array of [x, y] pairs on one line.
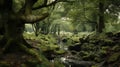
[[14, 24], [13, 40], [13, 35], [101, 25]]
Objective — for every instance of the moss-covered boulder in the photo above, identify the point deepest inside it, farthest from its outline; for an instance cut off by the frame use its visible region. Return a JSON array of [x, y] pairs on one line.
[[114, 57]]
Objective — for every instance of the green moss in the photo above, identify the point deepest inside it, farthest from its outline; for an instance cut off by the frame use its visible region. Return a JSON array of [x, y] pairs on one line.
[[4, 64], [114, 57], [95, 65], [1, 37], [60, 52], [57, 63], [116, 48], [23, 65], [103, 51], [31, 63]]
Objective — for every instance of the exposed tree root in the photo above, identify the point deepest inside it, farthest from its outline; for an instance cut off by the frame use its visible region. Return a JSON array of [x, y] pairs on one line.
[[12, 46], [30, 51]]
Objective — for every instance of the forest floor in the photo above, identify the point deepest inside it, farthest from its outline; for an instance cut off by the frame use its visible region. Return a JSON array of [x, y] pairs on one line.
[[19, 58], [102, 49]]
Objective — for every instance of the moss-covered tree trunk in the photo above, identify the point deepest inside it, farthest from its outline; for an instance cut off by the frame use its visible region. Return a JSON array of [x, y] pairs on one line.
[[13, 35], [13, 25]]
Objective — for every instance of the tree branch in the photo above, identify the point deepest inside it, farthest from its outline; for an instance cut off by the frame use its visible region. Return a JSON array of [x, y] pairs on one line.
[[27, 8], [33, 18], [50, 4], [45, 2], [45, 5]]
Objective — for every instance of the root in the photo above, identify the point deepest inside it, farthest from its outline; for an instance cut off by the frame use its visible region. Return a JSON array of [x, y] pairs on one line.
[[12, 45], [3, 41], [26, 44], [32, 52], [7, 45], [4, 44]]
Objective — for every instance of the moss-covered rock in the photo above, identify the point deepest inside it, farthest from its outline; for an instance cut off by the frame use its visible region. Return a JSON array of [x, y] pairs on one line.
[[114, 57], [116, 48]]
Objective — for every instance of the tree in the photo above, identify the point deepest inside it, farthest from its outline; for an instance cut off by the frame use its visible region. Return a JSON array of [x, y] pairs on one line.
[[101, 24], [13, 22], [95, 11], [82, 13]]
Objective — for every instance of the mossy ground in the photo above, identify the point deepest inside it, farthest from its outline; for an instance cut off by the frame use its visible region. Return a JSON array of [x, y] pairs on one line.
[[24, 59], [98, 48]]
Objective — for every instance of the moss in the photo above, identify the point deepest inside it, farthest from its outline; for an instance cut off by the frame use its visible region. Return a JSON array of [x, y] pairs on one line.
[[23, 65], [60, 51], [31, 63], [57, 63], [95, 47], [97, 59], [1, 36], [4, 64], [95, 65], [103, 52], [114, 57], [116, 48]]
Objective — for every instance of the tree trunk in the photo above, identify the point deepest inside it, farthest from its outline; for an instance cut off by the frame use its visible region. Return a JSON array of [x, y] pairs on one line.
[[101, 25], [12, 25], [13, 37], [13, 40]]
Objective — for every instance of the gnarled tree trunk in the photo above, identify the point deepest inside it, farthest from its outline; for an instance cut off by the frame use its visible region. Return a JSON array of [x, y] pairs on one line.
[[13, 25]]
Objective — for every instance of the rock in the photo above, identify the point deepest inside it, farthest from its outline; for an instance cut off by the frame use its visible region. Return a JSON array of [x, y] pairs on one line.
[[64, 40], [75, 48], [49, 54], [76, 63], [114, 57]]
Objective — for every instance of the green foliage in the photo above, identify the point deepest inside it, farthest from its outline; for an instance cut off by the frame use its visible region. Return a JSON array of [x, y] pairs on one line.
[[18, 4], [38, 3], [61, 24]]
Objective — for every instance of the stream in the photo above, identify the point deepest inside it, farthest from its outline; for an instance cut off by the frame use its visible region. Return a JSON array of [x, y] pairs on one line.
[[70, 60]]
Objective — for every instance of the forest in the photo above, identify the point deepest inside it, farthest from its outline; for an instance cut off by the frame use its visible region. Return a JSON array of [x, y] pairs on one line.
[[59, 33]]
